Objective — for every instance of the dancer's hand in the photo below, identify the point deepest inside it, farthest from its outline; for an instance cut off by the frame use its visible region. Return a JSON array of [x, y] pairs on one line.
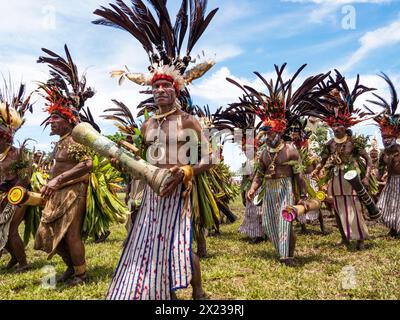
[[178, 176], [49, 189], [303, 200], [250, 194]]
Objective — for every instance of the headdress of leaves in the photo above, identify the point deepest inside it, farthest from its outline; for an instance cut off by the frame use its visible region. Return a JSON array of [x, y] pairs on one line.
[[65, 91], [388, 120]]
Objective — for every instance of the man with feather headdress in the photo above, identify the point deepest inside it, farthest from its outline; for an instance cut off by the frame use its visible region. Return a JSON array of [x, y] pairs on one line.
[[341, 154], [60, 228], [157, 259], [238, 117], [14, 170], [131, 139], [389, 161], [279, 167], [300, 137]]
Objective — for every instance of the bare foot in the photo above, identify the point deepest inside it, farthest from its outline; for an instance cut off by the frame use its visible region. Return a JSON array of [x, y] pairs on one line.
[[77, 280], [11, 264], [360, 245], [22, 269], [256, 240], [325, 232], [66, 275], [342, 243], [287, 261]]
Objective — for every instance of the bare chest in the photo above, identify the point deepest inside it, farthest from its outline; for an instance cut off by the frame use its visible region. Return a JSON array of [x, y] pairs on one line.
[[342, 149], [171, 132]]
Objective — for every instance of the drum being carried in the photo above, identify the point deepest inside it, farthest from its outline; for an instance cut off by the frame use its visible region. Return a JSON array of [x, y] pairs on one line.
[[354, 179], [19, 196], [156, 178]]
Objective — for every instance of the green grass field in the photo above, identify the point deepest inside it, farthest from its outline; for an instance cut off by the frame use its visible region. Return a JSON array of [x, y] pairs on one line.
[[236, 269]]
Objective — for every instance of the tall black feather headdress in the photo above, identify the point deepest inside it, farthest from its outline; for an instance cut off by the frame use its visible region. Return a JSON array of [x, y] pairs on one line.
[[162, 40], [65, 92], [280, 108], [338, 105], [388, 120], [122, 117]]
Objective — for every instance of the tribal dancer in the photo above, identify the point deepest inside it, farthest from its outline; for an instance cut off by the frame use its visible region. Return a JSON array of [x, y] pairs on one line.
[[157, 259], [236, 117], [309, 160], [341, 154], [389, 123], [214, 189], [252, 225], [60, 228], [37, 182], [376, 167], [132, 140], [278, 168], [103, 206], [14, 170], [374, 155]]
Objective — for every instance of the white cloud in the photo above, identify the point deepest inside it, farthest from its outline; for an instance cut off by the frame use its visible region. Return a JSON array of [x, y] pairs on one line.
[[217, 91], [383, 37], [219, 52]]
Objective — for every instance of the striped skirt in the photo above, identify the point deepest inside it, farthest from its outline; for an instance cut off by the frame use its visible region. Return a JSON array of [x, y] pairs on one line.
[[156, 259], [252, 223], [348, 207], [278, 195], [389, 203]]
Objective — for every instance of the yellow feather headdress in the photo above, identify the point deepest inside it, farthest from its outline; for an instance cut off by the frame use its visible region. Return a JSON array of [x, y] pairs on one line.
[[12, 109]]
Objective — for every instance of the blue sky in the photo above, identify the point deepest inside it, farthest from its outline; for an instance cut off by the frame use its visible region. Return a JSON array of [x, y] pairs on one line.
[[248, 35]]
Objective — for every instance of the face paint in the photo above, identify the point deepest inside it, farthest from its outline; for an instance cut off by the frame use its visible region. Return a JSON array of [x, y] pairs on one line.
[[164, 93], [388, 141]]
